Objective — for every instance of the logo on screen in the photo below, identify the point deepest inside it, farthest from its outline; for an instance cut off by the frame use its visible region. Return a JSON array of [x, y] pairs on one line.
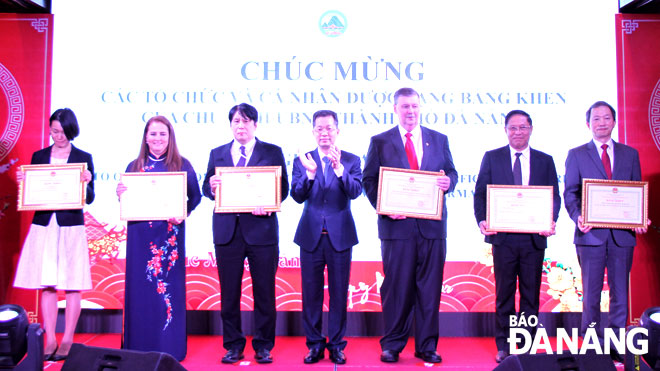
[[332, 23]]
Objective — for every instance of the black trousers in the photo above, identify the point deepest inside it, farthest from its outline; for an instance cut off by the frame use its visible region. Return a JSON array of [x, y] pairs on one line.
[[312, 266], [516, 261], [263, 261], [411, 289]]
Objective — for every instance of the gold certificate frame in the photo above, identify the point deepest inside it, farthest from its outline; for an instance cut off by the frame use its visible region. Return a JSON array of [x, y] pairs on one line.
[[154, 196], [411, 193], [247, 187], [616, 204], [519, 209], [52, 187]]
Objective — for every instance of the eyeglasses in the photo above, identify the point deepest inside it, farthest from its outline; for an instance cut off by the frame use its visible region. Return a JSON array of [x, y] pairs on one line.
[[515, 129], [320, 130]]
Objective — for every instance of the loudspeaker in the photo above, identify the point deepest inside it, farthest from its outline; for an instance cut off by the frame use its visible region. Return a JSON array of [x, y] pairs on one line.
[[86, 358], [557, 362]]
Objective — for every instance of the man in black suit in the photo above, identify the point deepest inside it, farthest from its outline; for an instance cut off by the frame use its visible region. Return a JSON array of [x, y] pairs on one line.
[[600, 248], [413, 250], [517, 257], [326, 180], [239, 235]]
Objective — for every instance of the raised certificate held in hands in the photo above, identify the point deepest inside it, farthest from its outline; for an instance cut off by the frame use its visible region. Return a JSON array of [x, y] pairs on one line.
[[411, 193], [519, 209], [52, 187], [244, 188], [154, 196], [615, 203]]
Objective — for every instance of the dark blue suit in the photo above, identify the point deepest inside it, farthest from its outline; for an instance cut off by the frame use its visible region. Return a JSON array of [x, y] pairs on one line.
[[65, 217], [240, 235], [413, 250], [601, 247], [517, 257], [326, 233]]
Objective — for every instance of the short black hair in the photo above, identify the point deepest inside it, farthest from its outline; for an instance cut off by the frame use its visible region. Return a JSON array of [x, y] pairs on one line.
[[406, 92], [601, 103], [324, 113], [517, 112], [68, 120], [245, 110]]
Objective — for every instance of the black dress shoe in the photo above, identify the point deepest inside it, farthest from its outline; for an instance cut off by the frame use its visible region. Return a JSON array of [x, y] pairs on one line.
[[314, 355], [49, 356], [263, 356], [337, 356], [501, 354], [389, 356], [430, 356], [58, 357], [232, 356]]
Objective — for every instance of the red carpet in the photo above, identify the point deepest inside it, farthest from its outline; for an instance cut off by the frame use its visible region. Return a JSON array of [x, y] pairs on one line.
[[205, 352]]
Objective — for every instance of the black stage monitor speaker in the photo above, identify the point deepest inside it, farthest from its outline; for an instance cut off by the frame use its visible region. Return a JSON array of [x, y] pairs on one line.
[[86, 358], [557, 362]]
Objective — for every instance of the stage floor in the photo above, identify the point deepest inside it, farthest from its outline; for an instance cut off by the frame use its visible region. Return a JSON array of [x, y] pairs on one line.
[[205, 352]]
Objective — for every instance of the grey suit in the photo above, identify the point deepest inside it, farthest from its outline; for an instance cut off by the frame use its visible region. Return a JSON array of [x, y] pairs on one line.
[[601, 247]]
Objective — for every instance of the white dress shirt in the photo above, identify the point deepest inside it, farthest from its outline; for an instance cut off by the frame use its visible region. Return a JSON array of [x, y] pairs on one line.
[[524, 163], [416, 139]]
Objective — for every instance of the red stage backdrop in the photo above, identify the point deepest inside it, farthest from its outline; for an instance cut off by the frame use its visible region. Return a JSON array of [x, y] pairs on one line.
[[638, 60], [25, 76]]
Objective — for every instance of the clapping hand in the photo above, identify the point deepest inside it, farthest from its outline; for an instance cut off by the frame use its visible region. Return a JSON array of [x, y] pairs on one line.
[[308, 162], [335, 157]]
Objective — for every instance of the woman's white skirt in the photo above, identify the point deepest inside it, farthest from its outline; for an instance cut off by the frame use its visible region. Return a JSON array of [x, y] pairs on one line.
[[54, 256]]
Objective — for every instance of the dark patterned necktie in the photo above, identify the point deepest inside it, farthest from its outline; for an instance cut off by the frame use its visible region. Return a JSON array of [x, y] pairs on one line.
[[241, 161], [327, 168], [517, 170]]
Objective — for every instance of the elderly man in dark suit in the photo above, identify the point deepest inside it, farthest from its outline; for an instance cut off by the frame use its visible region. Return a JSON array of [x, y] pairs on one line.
[[239, 235], [600, 248], [326, 180], [413, 250], [517, 257]]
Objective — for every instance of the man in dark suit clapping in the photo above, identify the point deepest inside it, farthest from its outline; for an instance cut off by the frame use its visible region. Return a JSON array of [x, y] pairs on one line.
[[326, 180]]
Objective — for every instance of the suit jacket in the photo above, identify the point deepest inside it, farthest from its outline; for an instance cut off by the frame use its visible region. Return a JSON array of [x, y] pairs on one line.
[[584, 162], [386, 149], [327, 205], [256, 230], [496, 168], [65, 217]]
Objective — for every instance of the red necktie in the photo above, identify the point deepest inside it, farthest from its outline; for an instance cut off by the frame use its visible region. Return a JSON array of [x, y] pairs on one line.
[[606, 162], [410, 153]]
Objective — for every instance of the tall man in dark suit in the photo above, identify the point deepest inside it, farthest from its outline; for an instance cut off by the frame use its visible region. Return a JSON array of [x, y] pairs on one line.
[[239, 235], [598, 248], [517, 257], [326, 180], [413, 250]]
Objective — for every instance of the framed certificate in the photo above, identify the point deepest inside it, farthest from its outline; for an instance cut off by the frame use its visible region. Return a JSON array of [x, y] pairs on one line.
[[154, 196], [52, 187], [615, 203], [412, 193], [519, 209], [247, 187]]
